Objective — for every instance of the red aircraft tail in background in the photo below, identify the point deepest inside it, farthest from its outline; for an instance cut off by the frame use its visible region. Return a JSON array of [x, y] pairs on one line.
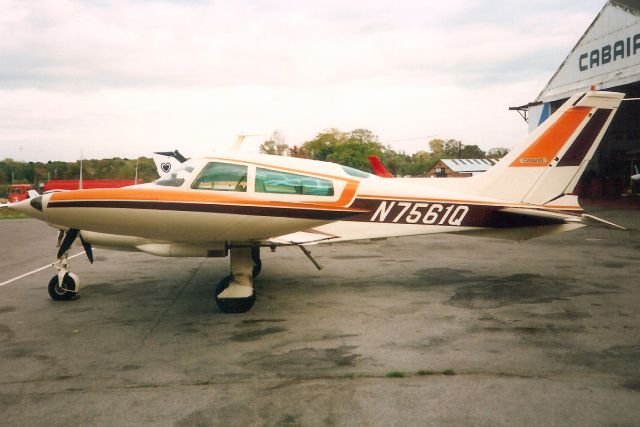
[[378, 167]]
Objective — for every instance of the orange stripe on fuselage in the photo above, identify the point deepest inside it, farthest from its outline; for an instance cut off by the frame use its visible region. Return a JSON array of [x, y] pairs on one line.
[[202, 196], [544, 149]]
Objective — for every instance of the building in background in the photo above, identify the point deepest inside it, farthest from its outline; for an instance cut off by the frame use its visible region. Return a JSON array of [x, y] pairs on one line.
[[452, 168], [607, 57]]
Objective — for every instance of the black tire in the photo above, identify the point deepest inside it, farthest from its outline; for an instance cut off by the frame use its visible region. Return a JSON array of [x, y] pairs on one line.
[[233, 305], [66, 292], [257, 262]]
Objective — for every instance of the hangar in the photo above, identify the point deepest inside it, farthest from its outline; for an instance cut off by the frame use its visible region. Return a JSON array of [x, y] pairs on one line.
[[606, 57]]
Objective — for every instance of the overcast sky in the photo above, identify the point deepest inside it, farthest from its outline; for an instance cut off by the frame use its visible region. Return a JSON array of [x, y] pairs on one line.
[[125, 78]]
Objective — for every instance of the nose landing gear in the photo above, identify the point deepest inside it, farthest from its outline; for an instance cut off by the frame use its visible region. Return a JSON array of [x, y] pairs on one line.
[[65, 285]]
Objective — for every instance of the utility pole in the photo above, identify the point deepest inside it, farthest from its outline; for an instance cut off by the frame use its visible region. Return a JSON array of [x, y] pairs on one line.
[[80, 187]]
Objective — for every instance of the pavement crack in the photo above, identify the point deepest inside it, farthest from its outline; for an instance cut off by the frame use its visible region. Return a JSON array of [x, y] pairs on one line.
[[171, 303]]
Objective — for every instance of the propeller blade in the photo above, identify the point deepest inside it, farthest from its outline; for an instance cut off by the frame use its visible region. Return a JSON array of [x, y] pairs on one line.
[[68, 240], [87, 248]]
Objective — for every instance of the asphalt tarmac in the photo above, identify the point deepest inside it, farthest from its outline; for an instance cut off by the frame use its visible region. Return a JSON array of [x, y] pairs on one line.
[[435, 330]]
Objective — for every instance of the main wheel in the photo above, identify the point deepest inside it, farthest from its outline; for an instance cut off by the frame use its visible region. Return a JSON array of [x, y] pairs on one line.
[[62, 292], [233, 305], [257, 263]]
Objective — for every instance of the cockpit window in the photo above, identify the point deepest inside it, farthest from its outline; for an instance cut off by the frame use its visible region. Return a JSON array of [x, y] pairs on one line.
[[177, 178], [355, 172], [222, 177], [271, 181]]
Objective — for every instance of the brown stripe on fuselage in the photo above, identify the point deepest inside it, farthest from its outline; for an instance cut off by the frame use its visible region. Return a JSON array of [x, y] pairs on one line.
[[444, 214], [583, 143], [273, 211], [569, 208]]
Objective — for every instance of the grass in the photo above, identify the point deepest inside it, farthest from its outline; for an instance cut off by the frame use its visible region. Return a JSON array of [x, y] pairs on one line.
[[448, 372], [9, 214], [423, 372], [395, 374]]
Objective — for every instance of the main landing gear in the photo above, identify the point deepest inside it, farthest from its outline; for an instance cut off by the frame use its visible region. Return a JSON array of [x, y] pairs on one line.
[[235, 293]]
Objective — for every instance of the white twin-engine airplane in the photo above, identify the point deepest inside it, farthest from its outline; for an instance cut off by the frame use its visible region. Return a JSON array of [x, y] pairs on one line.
[[236, 204]]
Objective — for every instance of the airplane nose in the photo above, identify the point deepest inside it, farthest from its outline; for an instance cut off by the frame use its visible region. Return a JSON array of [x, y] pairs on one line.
[[33, 207]]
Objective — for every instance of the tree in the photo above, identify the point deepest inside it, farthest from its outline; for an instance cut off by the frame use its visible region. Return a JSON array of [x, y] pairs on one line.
[[472, 152], [436, 146], [345, 148], [454, 149], [323, 144], [497, 152], [275, 144], [296, 151]]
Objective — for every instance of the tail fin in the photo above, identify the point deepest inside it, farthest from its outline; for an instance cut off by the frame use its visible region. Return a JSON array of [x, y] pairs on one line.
[[167, 161], [379, 168], [550, 162]]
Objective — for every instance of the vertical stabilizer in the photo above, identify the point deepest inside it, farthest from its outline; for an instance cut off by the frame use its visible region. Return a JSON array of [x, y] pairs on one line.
[[379, 168], [167, 161], [550, 162]]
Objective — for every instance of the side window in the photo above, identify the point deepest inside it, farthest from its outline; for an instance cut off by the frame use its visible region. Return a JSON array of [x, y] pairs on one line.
[[222, 177], [270, 181]]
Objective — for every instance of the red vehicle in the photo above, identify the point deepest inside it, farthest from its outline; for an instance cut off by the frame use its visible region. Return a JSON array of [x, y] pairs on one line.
[[74, 184], [18, 192]]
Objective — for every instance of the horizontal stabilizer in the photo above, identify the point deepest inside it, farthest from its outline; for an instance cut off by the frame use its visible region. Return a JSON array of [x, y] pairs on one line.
[[584, 219], [599, 222], [543, 214]]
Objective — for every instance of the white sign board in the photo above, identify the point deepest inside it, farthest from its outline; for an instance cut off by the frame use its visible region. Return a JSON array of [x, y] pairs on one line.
[[608, 55]]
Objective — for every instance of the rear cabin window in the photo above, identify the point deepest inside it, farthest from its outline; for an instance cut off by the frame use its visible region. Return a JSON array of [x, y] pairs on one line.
[[222, 177], [271, 181]]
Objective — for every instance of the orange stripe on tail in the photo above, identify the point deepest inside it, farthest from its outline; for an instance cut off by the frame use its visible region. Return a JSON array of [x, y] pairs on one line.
[[543, 150]]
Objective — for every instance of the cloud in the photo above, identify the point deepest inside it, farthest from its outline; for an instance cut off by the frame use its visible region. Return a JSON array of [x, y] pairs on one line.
[[128, 77]]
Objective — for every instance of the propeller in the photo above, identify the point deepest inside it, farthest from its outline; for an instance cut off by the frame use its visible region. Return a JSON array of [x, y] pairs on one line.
[[68, 240]]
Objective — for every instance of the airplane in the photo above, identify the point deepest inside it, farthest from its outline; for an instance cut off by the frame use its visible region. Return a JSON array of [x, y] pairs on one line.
[[167, 161], [236, 204], [378, 167]]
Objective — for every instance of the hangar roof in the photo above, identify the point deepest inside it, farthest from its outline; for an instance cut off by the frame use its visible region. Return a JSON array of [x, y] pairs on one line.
[[469, 165], [607, 55]]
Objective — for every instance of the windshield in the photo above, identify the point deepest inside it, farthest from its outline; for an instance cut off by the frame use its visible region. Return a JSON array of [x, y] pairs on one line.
[[355, 172]]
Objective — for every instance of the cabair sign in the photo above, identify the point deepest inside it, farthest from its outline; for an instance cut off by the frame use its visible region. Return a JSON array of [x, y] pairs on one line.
[[618, 50]]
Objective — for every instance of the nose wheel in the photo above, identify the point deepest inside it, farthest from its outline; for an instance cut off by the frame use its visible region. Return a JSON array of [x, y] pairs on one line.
[[65, 285], [65, 290]]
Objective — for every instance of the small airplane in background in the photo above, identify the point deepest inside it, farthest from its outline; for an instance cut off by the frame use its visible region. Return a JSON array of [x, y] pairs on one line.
[[379, 168], [167, 161], [236, 204]]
